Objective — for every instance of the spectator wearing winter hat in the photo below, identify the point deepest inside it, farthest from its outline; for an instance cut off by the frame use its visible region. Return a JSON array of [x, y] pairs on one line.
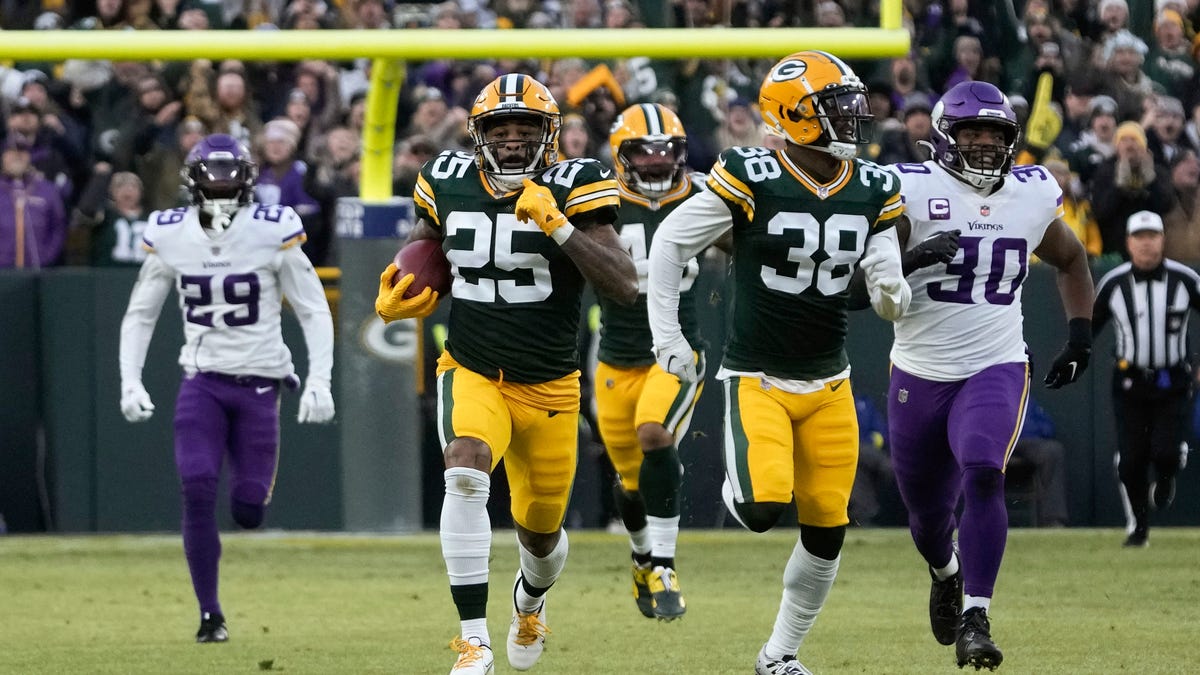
[[281, 174], [1164, 135], [50, 151], [1113, 17], [1127, 183], [1169, 62], [1124, 55], [33, 220], [1095, 143]]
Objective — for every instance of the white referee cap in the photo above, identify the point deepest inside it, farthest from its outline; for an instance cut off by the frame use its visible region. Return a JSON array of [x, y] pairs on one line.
[[1144, 221]]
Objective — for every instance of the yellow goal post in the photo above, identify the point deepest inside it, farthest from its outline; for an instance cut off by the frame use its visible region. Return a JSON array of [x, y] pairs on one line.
[[389, 49]]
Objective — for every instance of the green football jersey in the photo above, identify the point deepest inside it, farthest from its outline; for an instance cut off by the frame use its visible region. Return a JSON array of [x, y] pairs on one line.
[[515, 299], [796, 244], [625, 338]]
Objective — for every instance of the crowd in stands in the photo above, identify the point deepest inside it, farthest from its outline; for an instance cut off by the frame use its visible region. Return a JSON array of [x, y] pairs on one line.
[[91, 147]]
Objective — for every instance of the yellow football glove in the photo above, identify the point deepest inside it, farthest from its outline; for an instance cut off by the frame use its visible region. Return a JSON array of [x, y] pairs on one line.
[[1044, 122], [537, 204], [391, 304]]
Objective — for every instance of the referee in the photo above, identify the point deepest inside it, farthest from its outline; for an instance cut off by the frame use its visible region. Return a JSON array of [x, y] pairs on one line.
[[1148, 300]]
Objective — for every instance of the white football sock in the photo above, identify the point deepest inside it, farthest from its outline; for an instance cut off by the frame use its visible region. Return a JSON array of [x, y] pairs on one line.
[[806, 583], [540, 572], [663, 534], [475, 628], [465, 531], [970, 601], [951, 568]]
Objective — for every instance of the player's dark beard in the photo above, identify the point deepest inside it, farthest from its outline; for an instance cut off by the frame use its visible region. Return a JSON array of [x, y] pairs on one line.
[[515, 159], [983, 156]]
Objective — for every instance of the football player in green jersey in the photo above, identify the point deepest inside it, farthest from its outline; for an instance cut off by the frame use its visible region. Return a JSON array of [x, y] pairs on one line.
[[522, 233], [641, 409], [802, 218]]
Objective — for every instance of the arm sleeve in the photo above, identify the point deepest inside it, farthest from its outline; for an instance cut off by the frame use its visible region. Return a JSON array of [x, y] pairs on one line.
[[154, 282], [889, 306], [683, 234], [304, 292]]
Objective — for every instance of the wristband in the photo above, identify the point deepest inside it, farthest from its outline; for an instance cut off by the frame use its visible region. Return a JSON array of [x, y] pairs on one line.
[[1079, 332], [564, 232]]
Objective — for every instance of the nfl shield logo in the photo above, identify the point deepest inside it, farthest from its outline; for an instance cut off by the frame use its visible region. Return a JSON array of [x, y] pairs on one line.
[[823, 192], [216, 250], [985, 210], [902, 396]]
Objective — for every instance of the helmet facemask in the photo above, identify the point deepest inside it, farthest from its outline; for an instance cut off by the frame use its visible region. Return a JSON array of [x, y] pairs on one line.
[[652, 165], [219, 174], [220, 183], [507, 165], [845, 115], [981, 165], [975, 106], [833, 120]]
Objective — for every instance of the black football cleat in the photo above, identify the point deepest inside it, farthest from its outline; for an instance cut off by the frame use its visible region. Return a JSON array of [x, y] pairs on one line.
[[212, 628], [973, 646], [1139, 538], [945, 605], [668, 599]]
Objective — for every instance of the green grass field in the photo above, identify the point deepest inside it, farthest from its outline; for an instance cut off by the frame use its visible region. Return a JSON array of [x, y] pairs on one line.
[[1068, 601]]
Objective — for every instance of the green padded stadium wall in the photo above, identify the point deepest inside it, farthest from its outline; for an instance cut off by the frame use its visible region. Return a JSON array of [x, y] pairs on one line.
[[19, 501], [59, 351]]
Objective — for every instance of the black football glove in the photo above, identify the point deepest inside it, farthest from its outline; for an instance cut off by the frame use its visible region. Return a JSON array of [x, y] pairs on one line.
[[940, 248], [1070, 363]]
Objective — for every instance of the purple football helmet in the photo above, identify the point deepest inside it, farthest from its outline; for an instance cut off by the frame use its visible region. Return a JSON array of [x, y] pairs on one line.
[[219, 172], [974, 104]]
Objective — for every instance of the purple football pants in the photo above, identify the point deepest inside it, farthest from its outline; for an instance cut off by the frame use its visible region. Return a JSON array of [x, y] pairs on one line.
[[216, 416], [952, 440]]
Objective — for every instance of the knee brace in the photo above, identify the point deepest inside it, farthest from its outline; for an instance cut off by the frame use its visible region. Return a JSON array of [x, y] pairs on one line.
[[759, 516], [823, 542]]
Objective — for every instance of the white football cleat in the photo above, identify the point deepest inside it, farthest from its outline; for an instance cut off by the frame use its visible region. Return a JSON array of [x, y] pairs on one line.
[[474, 657], [787, 665], [527, 634]]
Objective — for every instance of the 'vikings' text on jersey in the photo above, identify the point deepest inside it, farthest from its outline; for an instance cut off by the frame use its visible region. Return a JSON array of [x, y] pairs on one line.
[[230, 286], [966, 315]]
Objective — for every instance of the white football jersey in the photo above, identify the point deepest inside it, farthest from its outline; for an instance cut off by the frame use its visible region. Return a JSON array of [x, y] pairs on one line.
[[966, 314], [230, 288]]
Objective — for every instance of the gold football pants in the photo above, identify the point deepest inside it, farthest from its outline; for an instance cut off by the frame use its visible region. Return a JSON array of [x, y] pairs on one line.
[[779, 445], [627, 398], [532, 427]]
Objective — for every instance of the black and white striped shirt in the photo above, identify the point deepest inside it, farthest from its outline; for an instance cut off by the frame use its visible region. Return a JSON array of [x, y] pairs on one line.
[[1149, 311]]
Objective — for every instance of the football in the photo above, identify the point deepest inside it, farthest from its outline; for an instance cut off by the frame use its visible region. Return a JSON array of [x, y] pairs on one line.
[[427, 263]]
